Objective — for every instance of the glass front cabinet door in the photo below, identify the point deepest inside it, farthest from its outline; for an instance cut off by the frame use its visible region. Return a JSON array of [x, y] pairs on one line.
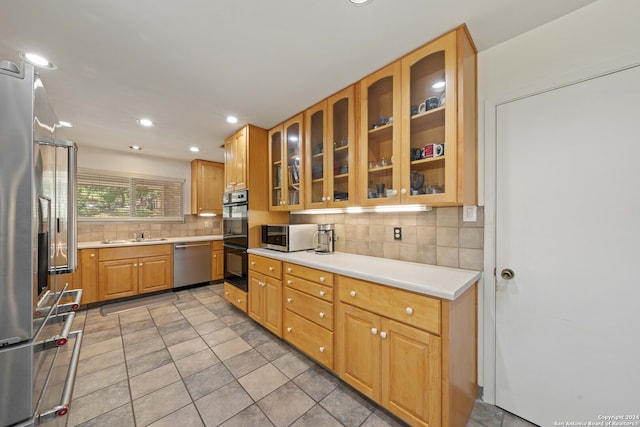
[[286, 164], [316, 168], [341, 151], [380, 151], [438, 125]]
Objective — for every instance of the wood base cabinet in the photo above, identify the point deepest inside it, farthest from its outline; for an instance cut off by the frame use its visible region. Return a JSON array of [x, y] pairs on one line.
[[129, 271], [217, 260], [423, 371], [235, 296], [86, 277], [265, 292]]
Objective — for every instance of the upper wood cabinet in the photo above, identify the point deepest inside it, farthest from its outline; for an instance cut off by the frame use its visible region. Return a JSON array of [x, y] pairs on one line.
[[207, 187], [438, 115], [235, 161], [380, 137], [330, 143], [286, 165]]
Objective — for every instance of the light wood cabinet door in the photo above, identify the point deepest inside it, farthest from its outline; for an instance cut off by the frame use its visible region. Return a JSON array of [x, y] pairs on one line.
[[316, 178], [411, 373], [207, 187], [272, 289], [117, 278], [87, 275], [358, 354], [341, 151], [286, 164], [235, 296], [235, 161], [217, 265], [256, 296], [155, 273]]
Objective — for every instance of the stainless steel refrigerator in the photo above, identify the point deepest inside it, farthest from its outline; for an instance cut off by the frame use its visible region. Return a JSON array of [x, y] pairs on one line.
[[38, 350]]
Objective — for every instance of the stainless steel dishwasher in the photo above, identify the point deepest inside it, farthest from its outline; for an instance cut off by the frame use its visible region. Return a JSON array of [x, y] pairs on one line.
[[191, 263]]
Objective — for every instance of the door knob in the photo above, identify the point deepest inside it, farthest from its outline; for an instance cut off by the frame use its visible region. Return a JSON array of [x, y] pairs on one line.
[[507, 274]]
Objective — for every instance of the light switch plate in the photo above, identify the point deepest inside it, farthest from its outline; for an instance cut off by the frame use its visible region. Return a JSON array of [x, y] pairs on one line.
[[469, 213]]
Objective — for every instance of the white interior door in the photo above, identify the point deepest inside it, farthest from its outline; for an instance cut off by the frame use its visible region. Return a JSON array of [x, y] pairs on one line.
[[568, 225]]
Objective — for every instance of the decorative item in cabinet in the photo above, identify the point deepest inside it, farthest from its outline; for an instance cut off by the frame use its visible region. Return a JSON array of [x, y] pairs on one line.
[[342, 150], [207, 187], [438, 152], [379, 143], [285, 160]]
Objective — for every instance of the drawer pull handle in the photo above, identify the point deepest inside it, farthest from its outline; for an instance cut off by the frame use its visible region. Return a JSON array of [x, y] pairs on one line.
[[289, 270], [374, 331], [322, 279], [383, 335], [289, 299], [289, 282], [270, 268], [321, 293], [409, 311], [289, 329], [321, 349], [353, 293], [321, 314]]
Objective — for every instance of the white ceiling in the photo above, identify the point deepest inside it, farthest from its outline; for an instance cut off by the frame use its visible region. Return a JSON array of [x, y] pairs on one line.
[[187, 64]]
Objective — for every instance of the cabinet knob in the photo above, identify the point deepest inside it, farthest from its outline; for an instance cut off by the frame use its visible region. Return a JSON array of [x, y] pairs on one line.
[[374, 331], [253, 263], [328, 198], [289, 269], [321, 314], [289, 329], [403, 191], [262, 283], [270, 268], [289, 299], [289, 282], [322, 293], [226, 293], [409, 311], [239, 301], [322, 279], [383, 335], [324, 199], [215, 256], [141, 264], [353, 293], [135, 265], [92, 255], [321, 349]]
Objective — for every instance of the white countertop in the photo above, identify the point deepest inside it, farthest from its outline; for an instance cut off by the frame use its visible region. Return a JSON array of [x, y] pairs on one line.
[[443, 282], [116, 243]]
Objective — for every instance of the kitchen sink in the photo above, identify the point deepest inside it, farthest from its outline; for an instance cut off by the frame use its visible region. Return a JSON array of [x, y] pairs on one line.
[[111, 242]]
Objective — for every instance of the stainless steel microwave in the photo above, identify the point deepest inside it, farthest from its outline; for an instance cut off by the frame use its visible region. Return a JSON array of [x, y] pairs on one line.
[[289, 237]]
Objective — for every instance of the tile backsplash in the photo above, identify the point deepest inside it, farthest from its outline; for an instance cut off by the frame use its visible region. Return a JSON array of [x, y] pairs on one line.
[[193, 226], [437, 237]]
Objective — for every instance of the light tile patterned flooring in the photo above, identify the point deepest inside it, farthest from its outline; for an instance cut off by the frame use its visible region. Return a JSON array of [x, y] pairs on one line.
[[199, 361]]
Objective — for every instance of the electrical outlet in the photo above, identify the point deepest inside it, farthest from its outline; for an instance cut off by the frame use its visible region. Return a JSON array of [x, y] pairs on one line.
[[207, 224], [470, 213], [397, 233]]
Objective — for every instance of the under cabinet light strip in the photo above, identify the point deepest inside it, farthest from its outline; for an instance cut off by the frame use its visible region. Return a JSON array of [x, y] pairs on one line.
[[358, 209]]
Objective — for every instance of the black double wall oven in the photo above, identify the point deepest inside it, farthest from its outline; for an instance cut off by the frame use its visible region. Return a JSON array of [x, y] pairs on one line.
[[235, 233]]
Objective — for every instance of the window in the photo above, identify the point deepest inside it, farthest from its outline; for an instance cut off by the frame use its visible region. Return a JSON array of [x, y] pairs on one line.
[[117, 196]]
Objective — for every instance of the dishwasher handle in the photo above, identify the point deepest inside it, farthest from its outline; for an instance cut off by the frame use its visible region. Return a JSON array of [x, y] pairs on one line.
[[184, 246]]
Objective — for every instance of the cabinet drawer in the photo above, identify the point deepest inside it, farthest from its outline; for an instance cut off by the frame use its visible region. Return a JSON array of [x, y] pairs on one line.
[[312, 274], [216, 245], [312, 288], [235, 296], [413, 309], [311, 308], [314, 340], [264, 265], [135, 251]]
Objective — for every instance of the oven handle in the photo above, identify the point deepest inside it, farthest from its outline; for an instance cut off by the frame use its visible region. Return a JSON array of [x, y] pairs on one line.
[[232, 246], [65, 400]]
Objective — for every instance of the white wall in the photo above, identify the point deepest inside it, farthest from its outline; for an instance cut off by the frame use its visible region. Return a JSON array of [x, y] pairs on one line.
[[598, 38], [98, 158]]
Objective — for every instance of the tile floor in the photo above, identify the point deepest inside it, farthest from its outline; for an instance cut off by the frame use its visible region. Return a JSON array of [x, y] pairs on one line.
[[198, 361]]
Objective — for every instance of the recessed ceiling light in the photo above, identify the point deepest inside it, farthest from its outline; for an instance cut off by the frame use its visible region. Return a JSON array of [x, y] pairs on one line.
[[232, 119], [65, 124], [38, 60], [439, 84], [135, 147], [360, 2], [194, 149], [145, 122]]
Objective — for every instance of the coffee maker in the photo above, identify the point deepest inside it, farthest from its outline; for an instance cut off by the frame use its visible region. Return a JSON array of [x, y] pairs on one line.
[[326, 236]]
